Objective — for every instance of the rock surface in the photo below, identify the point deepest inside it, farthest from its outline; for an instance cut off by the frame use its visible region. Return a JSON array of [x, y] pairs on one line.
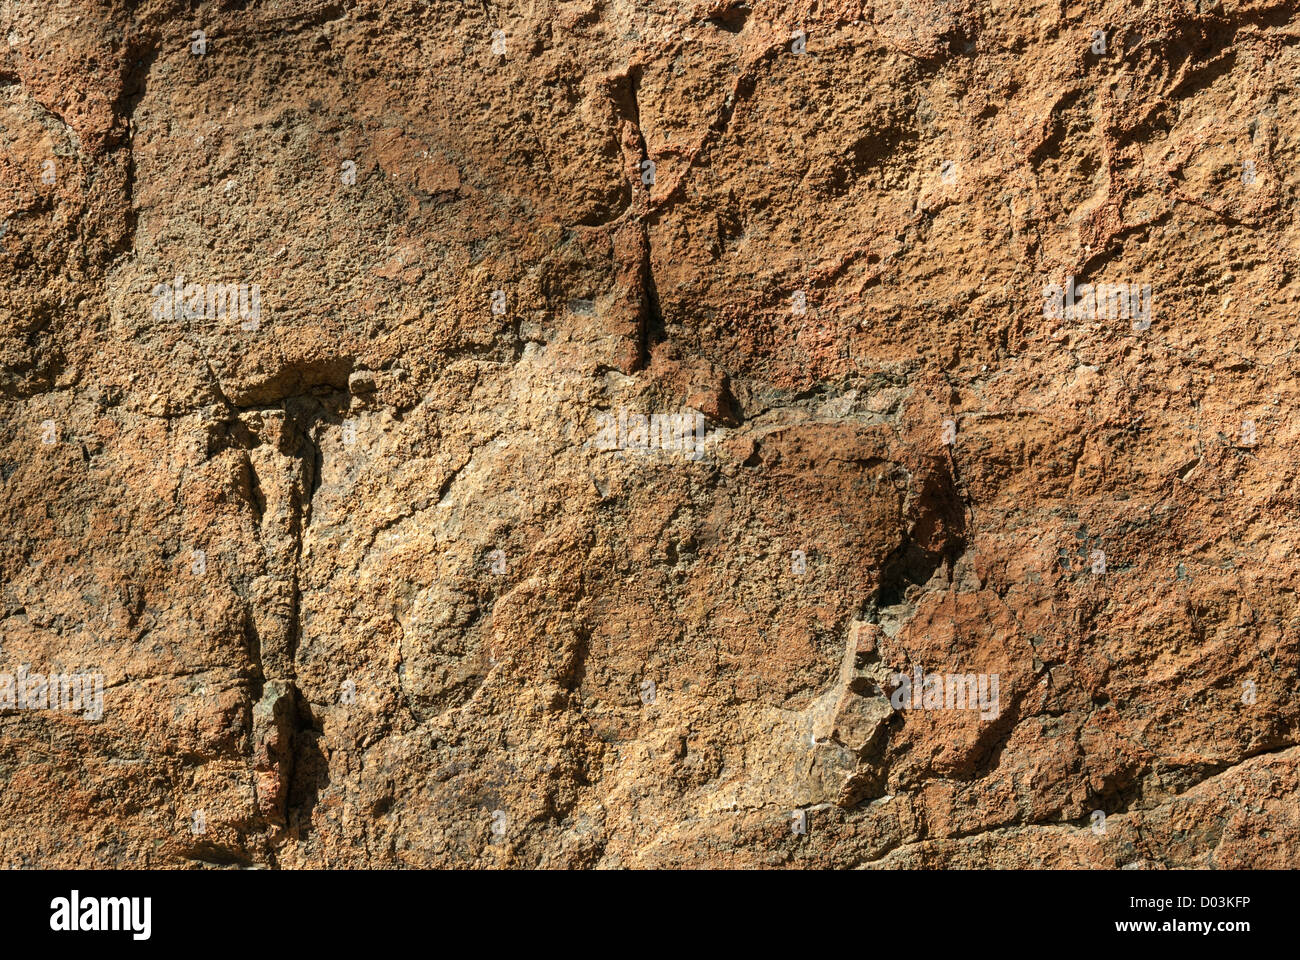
[[325, 327]]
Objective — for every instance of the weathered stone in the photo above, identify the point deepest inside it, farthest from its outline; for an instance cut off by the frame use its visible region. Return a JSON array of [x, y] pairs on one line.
[[335, 361]]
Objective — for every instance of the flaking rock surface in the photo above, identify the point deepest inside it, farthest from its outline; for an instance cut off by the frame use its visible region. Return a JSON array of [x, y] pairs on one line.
[[369, 579]]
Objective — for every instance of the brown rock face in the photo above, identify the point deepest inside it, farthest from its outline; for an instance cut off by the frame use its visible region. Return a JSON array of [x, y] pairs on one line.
[[599, 434]]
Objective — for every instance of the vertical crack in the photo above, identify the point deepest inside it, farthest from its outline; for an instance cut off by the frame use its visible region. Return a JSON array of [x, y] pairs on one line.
[[643, 313], [282, 466], [138, 61]]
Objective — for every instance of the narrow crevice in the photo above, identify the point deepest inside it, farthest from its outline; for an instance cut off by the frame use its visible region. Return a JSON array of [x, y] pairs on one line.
[[308, 769], [652, 326], [253, 649], [139, 58]]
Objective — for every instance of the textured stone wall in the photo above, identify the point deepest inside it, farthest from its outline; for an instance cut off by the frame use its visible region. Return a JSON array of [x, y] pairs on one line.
[[608, 434]]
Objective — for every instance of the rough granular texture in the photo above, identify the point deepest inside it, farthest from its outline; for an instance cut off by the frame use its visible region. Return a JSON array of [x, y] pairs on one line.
[[607, 434]]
